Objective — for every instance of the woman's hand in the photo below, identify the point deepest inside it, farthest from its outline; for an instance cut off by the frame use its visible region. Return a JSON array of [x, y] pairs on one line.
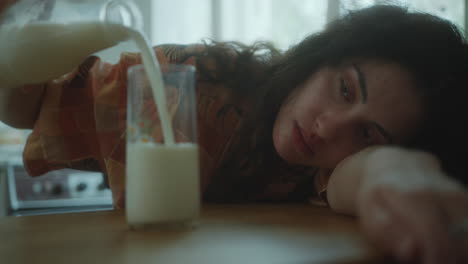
[[417, 225], [405, 203]]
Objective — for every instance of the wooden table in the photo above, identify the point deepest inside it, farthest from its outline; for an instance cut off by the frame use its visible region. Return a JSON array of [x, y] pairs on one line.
[[266, 233]]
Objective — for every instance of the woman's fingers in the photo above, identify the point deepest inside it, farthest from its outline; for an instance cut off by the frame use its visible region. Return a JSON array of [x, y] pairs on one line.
[[457, 209], [410, 225], [388, 231], [461, 244], [407, 250], [424, 214]]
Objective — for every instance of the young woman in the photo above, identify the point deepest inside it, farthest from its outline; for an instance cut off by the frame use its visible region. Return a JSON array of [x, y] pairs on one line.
[[365, 117]]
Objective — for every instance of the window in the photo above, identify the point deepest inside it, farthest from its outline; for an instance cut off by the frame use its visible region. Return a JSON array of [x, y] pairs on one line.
[[279, 21], [180, 21], [282, 22]]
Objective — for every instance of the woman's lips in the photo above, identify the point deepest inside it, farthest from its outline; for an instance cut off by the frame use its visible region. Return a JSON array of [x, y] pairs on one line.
[[299, 141]]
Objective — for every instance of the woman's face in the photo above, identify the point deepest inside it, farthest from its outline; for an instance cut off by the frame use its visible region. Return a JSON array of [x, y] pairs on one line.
[[339, 111]]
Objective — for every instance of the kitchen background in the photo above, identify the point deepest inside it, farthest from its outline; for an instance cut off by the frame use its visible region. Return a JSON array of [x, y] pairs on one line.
[[181, 21]]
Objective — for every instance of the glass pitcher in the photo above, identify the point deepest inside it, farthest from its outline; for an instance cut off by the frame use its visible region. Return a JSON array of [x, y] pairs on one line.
[[43, 39]]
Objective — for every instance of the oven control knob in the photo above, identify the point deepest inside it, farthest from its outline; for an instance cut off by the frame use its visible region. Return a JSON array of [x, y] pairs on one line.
[[101, 186], [57, 189], [81, 187], [37, 187]]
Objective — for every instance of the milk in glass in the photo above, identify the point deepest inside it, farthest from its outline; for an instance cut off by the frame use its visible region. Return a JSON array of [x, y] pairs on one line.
[[162, 183]]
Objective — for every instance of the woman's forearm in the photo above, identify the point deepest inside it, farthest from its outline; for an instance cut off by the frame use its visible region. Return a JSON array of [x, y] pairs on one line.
[[382, 166]]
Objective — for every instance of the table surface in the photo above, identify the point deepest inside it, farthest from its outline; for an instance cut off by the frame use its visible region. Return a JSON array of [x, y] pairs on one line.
[[259, 233]]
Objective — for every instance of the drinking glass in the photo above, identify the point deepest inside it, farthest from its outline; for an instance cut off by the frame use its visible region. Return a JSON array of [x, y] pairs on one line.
[[162, 178]]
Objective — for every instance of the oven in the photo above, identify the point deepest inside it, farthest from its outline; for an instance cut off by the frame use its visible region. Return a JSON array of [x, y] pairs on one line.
[[58, 191]]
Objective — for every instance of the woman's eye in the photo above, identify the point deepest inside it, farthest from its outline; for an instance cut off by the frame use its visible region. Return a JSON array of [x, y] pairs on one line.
[[344, 90]]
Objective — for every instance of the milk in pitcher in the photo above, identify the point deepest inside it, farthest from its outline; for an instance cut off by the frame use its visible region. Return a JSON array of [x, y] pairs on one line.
[[42, 51]]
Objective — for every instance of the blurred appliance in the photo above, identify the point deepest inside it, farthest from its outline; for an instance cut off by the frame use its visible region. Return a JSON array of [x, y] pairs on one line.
[[58, 191]]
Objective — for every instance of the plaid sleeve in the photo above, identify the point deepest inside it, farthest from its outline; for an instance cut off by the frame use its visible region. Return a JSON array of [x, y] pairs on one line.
[[82, 120]]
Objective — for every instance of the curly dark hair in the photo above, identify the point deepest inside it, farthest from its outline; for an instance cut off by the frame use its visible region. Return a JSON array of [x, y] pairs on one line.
[[432, 49]]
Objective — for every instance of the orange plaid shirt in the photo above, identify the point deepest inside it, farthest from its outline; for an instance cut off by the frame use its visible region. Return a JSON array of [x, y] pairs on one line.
[[82, 123]]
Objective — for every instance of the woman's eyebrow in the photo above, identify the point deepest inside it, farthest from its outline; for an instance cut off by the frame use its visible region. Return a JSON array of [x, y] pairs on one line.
[[362, 83]]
